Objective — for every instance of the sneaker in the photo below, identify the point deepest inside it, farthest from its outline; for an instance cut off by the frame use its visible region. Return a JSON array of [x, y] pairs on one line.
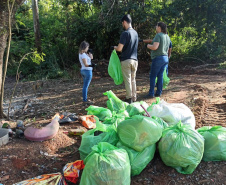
[[88, 102], [157, 95], [129, 100], [148, 96], [134, 99]]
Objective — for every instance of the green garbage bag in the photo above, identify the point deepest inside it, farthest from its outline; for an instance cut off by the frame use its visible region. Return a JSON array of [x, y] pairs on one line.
[[139, 132], [114, 68], [160, 121], [215, 143], [100, 112], [181, 147], [136, 109], [115, 119], [106, 165], [138, 160], [102, 133], [124, 113], [150, 108], [114, 103], [166, 80]]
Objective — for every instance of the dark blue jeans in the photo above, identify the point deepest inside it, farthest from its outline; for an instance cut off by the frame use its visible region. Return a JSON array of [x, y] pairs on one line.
[[87, 77], [167, 69], [157, 68]]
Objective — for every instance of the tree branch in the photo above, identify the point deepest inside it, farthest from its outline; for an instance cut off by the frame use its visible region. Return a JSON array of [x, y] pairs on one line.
[[17, 80], [111, 8]]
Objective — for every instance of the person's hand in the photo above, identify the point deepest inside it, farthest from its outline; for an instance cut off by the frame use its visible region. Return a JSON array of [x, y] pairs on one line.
[[90, 55], [141, 40], [112, 48], [93, 65]]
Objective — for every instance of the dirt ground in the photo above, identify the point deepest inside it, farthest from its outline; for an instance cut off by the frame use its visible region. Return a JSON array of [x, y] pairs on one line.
[[203, 90]]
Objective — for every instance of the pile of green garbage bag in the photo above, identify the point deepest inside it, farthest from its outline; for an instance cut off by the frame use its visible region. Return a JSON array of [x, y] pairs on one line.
[[106, 164], [181, 147], [215, 143], [124, 126]]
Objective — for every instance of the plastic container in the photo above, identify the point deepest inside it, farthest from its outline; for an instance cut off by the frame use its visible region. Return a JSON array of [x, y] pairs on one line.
[[4, 136]]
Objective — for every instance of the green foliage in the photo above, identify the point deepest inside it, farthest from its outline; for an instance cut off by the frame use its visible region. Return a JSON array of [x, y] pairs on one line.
[[37, 57], [222, 65], [197, 30]]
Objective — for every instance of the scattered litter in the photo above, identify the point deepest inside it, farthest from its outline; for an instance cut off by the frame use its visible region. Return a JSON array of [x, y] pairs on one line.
[[55, 178], [70, 170], [20, 124], [68, 117], [19, 133], [76, 132], [88, 121], [5, 125], [44, 153], [4, 136]]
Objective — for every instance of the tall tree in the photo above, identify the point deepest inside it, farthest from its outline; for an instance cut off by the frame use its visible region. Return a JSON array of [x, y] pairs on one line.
[[7, 13], [36, 25]]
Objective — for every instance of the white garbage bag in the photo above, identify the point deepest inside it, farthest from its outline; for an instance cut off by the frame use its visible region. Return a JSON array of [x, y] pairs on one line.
[[172, 113]]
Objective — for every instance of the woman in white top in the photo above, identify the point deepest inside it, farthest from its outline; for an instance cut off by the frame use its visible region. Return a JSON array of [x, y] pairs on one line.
[[86, 69]]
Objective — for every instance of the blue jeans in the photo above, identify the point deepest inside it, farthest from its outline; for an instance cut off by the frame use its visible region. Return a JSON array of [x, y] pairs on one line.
[[157, 68], [167, 69], [87, 77]]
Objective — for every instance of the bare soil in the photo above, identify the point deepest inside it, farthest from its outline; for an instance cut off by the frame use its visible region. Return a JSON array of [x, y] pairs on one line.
[[203, 91]]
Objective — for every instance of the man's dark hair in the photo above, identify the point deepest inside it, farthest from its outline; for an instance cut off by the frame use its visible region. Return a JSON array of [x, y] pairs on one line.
[[127, 18], [163, 27]]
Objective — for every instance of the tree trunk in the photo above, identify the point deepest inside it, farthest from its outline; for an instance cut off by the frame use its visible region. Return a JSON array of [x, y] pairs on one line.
[[4, 33], [36, 25]]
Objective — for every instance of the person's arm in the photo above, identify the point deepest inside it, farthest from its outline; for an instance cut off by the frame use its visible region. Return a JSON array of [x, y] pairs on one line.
[[169, 52], [119, 47], [85, 62], [147, 41], [86, 65], [154, 46], [122, 42]]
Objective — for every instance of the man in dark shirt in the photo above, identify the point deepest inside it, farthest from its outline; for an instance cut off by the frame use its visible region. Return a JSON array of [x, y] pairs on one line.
[[128, 45]]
